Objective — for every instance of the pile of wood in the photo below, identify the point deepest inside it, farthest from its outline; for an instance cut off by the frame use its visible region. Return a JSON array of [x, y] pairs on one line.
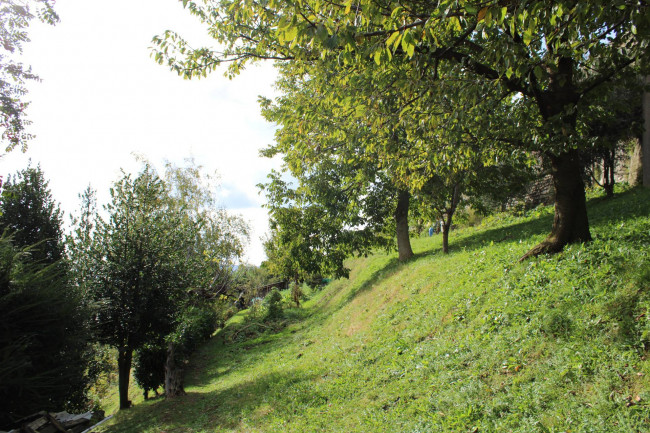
[[61, 422]]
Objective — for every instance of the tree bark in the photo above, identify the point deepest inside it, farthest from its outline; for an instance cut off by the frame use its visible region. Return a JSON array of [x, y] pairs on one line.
[[448, 218], [404, 249], [558, 107], [645, 146], [124, 358], [174, 374], [609, 168], [570, 224]]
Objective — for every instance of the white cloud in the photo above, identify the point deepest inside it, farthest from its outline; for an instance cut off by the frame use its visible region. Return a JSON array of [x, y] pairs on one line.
[[103, 98]]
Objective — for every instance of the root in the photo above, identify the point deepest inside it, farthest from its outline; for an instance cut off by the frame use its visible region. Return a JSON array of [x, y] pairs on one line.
[[548, 246]]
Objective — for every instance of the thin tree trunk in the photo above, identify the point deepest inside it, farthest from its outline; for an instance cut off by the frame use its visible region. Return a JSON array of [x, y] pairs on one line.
[[609, 167], [445, 238], [570, 224], [645, 142], [448, 218], [124, 358], [174, 374], [404, 249]]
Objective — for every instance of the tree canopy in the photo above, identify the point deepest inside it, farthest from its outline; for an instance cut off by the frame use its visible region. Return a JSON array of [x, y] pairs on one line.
[[537, 61]]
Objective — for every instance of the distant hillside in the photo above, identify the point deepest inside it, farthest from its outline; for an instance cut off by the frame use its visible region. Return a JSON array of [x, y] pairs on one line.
[[469, 342]]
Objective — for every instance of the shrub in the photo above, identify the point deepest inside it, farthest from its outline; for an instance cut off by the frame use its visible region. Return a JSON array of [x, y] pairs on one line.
[[296, 293], [273, 303], [149, 367], [195, 326]]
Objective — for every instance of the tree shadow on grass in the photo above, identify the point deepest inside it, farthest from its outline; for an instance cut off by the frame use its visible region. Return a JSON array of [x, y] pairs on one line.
[[513, 232], [225, 409], [633, 203]]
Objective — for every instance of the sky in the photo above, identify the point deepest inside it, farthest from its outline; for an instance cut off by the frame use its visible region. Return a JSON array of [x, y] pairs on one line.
[[103, 99]]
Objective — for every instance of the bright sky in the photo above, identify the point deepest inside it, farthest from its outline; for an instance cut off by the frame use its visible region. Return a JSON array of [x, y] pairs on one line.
[[103, 98]]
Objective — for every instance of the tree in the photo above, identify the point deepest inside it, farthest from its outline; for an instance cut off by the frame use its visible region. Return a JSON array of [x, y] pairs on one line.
[[15, 16], [43, 343], [336, 156], [615, 118], [216, 244], [138, 267], [317, 225], [159, 257], [541, 57], [352, 154], [28, 211]]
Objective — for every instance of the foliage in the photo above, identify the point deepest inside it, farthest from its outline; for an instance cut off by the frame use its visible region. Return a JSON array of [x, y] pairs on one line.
[[149, 367], [80, 242], [15, 16], [43, 341], [140, 267], [164, 252], [536, 64], [47, 361], [29, 213], [296, 293], [273, 302], [137, 252]]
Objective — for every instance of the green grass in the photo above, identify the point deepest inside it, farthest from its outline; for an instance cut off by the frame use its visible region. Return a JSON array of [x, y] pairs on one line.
[[469, 342]]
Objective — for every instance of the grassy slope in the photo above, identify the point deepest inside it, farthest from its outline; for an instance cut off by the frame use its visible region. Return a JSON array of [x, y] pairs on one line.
[[472, 341]]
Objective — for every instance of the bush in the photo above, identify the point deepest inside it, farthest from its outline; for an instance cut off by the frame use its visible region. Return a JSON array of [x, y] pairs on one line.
[[195, 326], [149, 367], [296, 293], [273, 303]]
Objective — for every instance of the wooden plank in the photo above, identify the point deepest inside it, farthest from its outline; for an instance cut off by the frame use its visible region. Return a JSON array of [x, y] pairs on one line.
[[37, 423], [57, 424]]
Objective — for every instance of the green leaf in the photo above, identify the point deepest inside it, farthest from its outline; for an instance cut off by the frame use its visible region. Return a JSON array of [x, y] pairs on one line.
[[528, 37], [411, 50], [392, 38], [291, 33]]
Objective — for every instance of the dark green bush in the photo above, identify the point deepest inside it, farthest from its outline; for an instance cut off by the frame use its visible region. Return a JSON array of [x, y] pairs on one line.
[[273, 303], [149, 367], [195, 326]]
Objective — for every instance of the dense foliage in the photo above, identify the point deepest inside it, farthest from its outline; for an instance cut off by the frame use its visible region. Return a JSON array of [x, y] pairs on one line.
[[163, 252], [45, 354], [29, 213], [453, 77]]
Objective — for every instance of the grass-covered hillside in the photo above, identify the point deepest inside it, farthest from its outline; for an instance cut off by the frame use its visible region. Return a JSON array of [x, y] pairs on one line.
[[469, 342]]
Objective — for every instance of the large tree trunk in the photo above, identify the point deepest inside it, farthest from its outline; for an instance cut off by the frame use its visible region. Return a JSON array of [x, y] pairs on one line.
[[402, 226], [570, 224], [124, 358], [558, 107], [174, 374]]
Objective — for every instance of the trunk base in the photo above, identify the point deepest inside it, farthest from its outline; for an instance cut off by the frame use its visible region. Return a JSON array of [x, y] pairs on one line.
[[548, 246], [570, 224]]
